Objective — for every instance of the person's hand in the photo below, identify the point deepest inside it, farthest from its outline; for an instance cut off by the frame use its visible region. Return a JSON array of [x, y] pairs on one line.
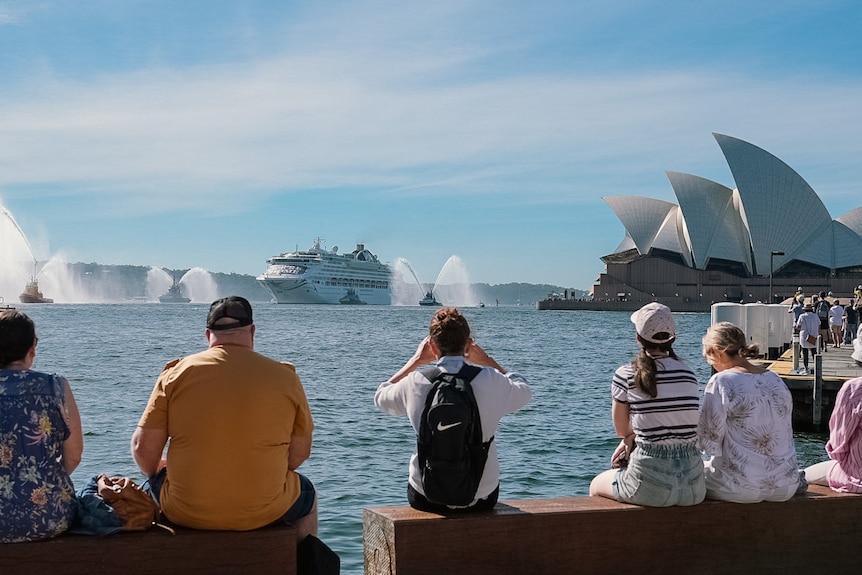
[[425, 353], [620, 458], [477, 356]]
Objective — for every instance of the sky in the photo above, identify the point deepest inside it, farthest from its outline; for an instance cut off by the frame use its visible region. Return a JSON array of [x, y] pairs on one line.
[[218, 134]]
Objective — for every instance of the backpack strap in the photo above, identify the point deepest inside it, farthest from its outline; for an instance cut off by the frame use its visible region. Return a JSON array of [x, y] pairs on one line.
[[468, 372], [431, 372]]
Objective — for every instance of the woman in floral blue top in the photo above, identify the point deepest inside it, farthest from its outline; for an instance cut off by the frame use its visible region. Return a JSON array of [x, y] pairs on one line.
[[40, 439]]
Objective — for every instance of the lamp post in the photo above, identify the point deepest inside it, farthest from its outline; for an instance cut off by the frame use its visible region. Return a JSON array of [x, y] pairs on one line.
[[771, 257]]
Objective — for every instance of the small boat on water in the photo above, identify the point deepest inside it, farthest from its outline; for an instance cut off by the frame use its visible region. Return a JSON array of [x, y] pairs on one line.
[[429, 300], [31, 293], [174, 295], [5, 306], [351, 298]]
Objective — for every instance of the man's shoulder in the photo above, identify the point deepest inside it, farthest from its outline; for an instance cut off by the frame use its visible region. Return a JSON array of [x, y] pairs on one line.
[[171, 364], [289, 366], [274, 368]]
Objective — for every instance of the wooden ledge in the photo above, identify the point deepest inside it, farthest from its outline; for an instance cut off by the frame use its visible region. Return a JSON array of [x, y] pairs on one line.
[[816, 532], [157, 552]]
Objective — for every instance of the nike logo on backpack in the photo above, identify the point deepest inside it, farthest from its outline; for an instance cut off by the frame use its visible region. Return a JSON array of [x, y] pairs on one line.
[[441, 427]]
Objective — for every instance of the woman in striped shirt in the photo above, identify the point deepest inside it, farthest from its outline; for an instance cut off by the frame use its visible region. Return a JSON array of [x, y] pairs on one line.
[[843, 471], [655, 411]]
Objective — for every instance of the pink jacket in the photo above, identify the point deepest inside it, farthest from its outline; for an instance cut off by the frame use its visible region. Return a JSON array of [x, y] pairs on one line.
[[845, 439]]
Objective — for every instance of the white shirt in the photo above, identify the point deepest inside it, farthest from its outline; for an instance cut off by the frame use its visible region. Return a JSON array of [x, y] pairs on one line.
[[836, 315], [745, 428], [496, 395], [808, 323]]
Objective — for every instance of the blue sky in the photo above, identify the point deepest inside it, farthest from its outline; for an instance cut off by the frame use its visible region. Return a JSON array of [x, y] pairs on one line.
[[216, 134]]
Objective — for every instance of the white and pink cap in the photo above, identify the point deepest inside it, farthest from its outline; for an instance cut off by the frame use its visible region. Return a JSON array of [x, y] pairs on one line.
[[655, 319]]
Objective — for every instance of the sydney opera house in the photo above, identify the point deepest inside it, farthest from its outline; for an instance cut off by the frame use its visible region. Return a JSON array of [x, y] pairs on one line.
[[757, 242]]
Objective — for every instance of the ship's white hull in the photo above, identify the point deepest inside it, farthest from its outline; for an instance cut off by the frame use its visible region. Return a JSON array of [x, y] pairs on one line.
[[303, 291]]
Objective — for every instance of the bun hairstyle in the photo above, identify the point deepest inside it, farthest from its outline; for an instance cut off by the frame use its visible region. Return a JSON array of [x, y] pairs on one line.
[[726, 337], [17, 335], [449, 331]]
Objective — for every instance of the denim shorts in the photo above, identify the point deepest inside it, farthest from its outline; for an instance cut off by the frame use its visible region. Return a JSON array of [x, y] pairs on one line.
[[661, 475], [303, 504]]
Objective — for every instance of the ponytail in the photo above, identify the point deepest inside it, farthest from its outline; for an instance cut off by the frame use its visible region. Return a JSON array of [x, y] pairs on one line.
[[645, 366]]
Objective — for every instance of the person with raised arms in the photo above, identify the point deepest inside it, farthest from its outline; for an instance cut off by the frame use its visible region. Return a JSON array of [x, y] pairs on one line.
[[497, 392]]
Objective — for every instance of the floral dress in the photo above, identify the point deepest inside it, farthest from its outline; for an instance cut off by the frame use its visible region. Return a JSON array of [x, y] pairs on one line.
[[36, 493]]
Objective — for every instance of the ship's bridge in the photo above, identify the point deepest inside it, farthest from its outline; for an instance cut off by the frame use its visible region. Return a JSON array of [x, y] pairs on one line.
[[363, 255]]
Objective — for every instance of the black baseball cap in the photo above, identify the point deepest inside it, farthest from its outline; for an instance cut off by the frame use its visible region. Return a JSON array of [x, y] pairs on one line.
[[234, 307]]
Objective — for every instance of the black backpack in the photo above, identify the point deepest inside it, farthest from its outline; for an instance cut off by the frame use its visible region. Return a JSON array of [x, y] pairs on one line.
[[451, 452]]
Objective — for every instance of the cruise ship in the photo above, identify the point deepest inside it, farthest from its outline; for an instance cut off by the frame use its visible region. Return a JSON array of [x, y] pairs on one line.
[[318, 275]]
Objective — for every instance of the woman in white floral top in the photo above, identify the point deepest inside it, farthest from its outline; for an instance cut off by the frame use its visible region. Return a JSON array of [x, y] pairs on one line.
[[745, 427]]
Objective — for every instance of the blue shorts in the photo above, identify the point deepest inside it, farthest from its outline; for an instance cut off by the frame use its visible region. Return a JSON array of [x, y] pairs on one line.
[[660, 475], [300, 508], [303, 504]]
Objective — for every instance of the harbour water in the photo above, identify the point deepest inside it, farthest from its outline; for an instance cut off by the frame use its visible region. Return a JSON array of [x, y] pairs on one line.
[[112, 354]]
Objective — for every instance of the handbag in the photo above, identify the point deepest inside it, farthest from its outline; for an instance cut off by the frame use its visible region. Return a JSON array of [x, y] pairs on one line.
[[133, 505]]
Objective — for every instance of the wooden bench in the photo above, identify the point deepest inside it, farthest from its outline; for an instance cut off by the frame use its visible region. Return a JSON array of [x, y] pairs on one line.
[[156, 552], [814, 533]]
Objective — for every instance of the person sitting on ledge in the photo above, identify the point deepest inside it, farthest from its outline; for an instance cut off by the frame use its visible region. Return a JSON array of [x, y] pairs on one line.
[[655, 410], [41, 441], [843, 471], [239, 426], [745, 426], [497, 393]]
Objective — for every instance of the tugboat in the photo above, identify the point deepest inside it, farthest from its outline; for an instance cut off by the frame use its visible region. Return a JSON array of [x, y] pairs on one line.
[[351, 298], [429, 299], [31, 293], [174, 295]]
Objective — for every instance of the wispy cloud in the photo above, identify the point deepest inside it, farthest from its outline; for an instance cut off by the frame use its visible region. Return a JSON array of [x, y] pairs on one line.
[[297, 123], [148, 108]]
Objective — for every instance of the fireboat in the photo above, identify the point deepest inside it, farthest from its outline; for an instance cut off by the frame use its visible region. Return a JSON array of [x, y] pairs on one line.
[[429, 299], [31, 293], [174, 295]]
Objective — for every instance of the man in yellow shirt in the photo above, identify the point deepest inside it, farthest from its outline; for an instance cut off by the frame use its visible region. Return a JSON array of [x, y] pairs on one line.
[[239, 425]]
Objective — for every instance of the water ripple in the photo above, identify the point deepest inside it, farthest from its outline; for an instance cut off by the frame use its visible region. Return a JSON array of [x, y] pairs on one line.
[[112, 355]]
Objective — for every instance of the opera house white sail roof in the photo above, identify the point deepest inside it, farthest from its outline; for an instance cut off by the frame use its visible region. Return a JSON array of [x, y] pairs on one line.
[[772, 209]]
